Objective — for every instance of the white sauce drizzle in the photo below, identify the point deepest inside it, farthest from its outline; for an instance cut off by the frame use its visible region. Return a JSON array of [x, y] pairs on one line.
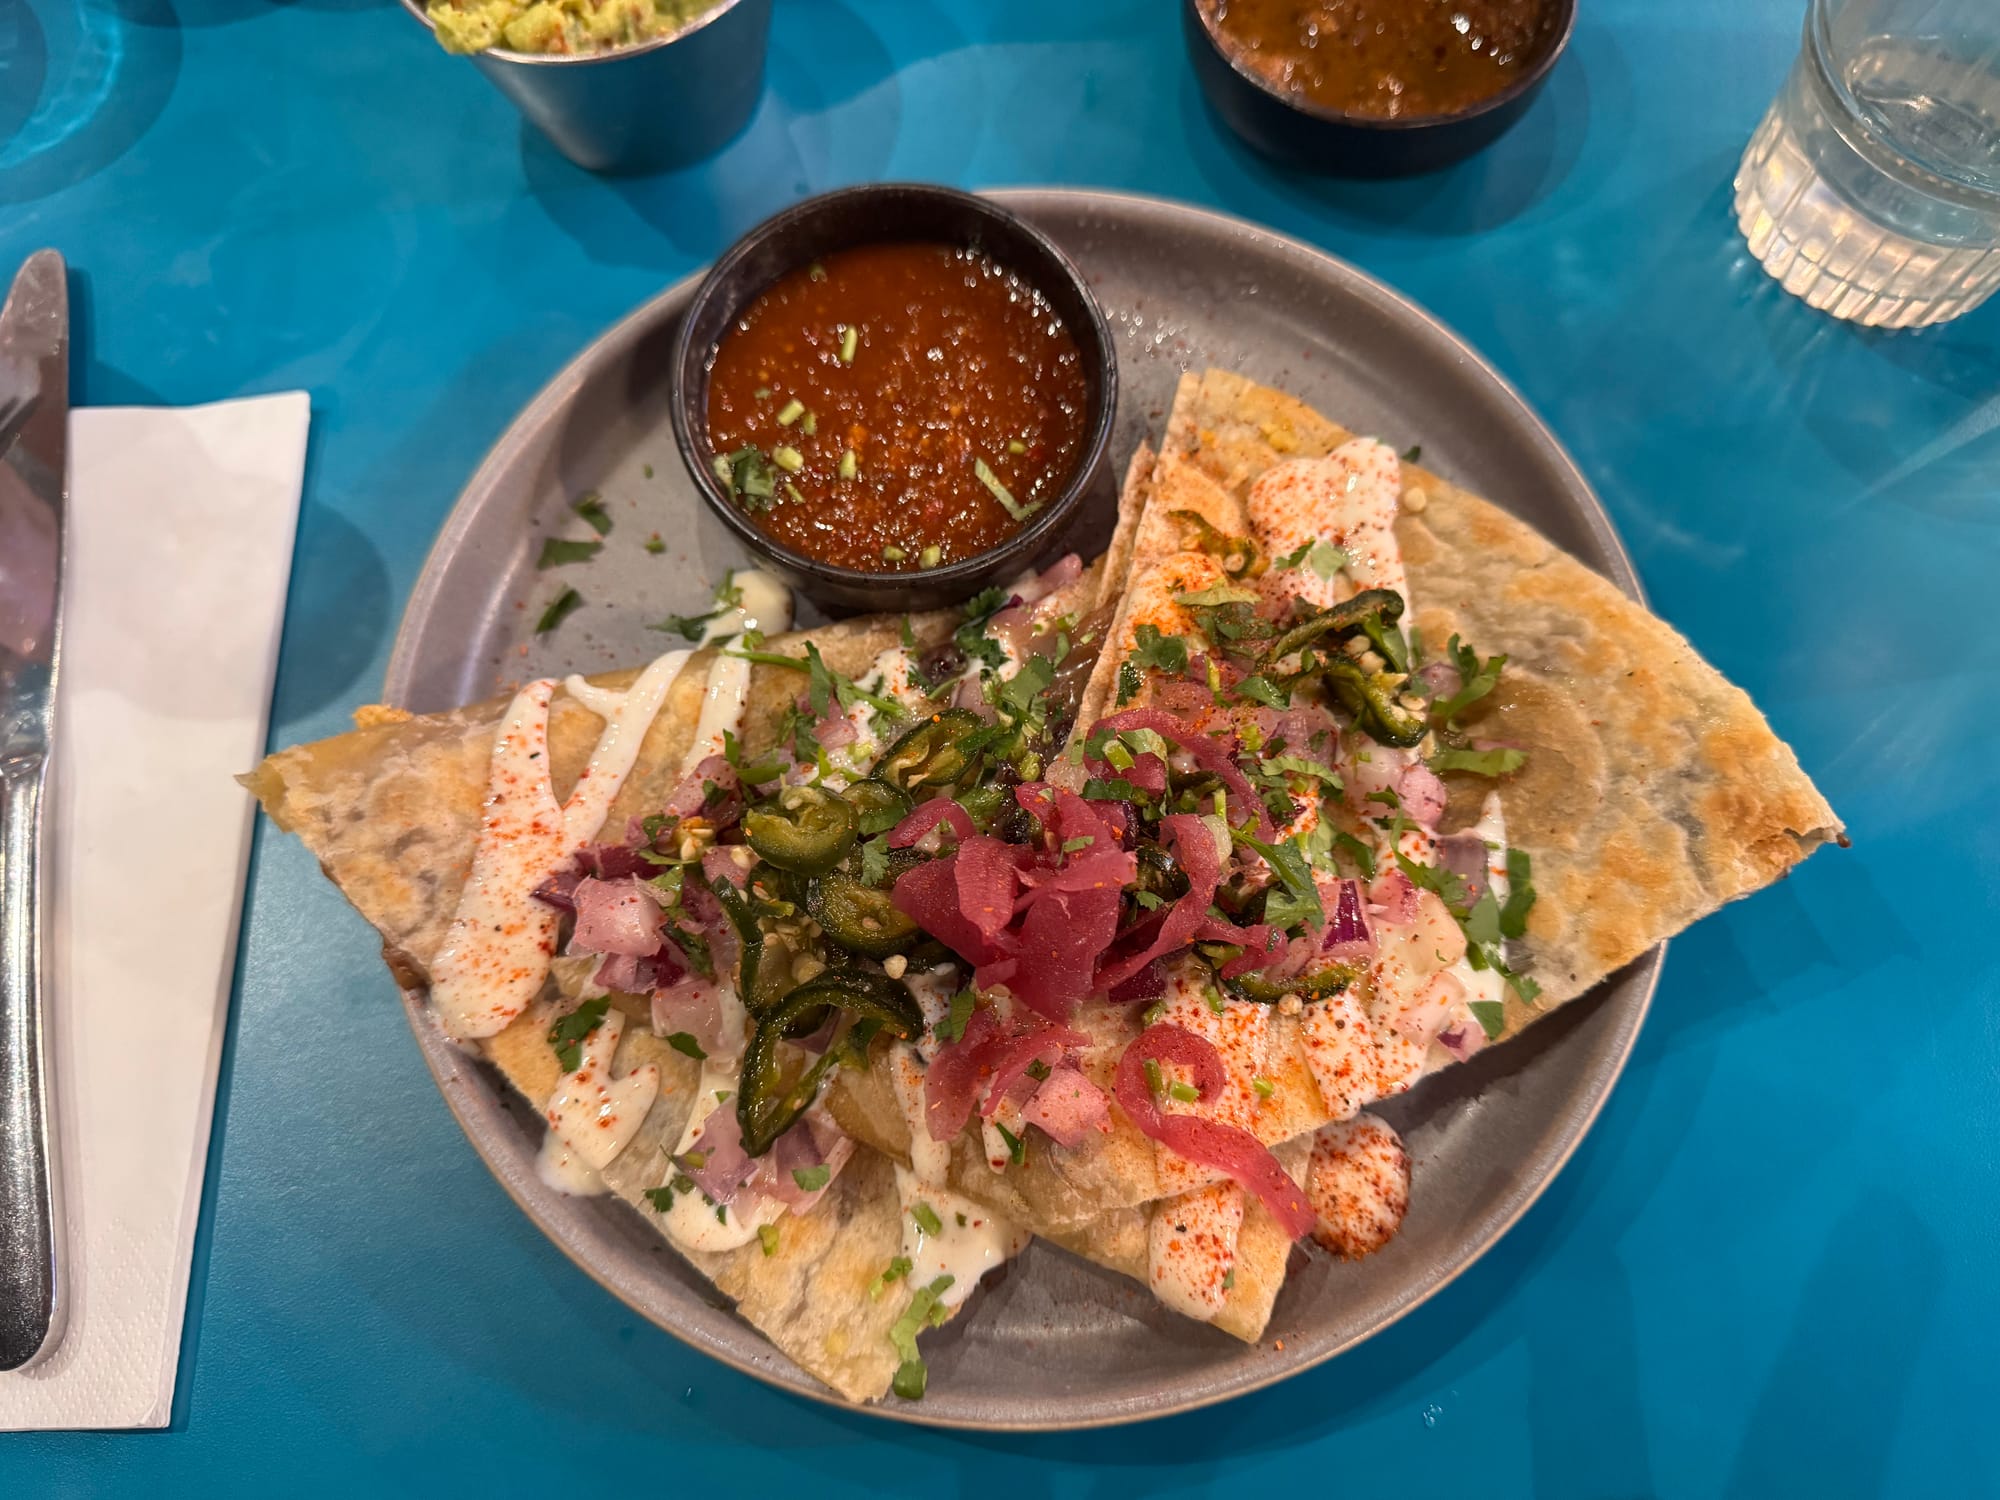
[[967, 1251], [693, 1222], [970, 1239], [496, 953], [593, 1116]]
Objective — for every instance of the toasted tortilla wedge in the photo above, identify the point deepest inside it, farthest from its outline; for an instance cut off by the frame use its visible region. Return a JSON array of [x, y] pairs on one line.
[[390, 811], [1653, 794]]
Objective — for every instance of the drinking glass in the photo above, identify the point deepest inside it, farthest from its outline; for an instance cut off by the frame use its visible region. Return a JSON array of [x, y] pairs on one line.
[[1872, 188]]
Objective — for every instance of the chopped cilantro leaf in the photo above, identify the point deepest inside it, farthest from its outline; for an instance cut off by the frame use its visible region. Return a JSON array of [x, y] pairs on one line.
[[1439, 881], [1017, 1149], [1412, 453], [1479, 762], [1296, 899], [684, 1043], [565, 604], [687, 627], [1476, 680], [567, 1035], [662, 1198], [1360, 853], [1326, 560], [1312, 770], [750, 477], [1129, 683], [1520, 896], [1294, 558], [952, 1027], [654, 545], [1081, 841], [812, 1179], [590, 505], [556, 552], [986, 602], [1020, 691], [1152, 651], [1217, 594], [1482, 923], [825, 686], [1491, 1016], [1261, 689], [875, 860]]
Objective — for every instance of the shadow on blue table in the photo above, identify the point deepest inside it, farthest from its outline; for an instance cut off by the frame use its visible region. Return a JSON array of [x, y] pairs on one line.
[[695, 212], [79, 84]]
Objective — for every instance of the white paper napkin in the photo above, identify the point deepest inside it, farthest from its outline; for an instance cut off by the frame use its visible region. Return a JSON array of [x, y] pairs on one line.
[[179, 547]]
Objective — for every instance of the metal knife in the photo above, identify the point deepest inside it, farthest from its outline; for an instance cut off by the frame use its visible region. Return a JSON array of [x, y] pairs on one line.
[[34, 409]]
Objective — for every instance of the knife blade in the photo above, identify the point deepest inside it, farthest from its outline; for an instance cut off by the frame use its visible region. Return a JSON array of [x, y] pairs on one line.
[[34, 387]]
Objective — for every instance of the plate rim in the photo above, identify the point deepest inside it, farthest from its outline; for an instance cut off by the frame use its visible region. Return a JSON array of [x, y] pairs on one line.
[[456, 1073]]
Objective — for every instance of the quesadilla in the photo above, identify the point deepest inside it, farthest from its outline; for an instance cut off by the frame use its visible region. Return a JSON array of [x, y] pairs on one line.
[[1100, 909]]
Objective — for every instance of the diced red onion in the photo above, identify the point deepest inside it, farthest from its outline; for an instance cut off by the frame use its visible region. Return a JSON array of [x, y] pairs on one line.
[[835, 731], [1347, 935], [715, 1159], [1465, 855], [1067, 1107], [1439, 678], [694, 1005], [1422, 794], [1393, 898], [615, 916], [690, 794]]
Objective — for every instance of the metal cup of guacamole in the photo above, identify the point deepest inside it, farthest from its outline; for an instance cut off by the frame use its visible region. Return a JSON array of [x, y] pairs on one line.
[[616, 85]]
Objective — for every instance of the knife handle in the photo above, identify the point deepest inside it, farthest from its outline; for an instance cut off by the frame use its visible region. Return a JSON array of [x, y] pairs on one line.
[[30, 1243]]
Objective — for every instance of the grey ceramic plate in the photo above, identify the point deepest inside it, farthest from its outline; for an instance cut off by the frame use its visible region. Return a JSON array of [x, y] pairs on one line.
[[1054, 1342]]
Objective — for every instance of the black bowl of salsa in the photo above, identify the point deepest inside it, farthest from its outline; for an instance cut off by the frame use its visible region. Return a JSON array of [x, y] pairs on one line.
[[895, 395], [1373, 88]]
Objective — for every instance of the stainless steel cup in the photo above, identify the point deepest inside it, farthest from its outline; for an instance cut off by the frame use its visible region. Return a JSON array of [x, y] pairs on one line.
[[661, 104]]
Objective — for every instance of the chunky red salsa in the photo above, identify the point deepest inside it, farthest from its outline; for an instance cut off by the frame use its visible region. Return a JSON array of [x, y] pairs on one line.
[[896, 406], [1391, 58]]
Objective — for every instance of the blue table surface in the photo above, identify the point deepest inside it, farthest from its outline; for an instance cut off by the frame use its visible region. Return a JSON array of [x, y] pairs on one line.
[[1771, 1269]]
